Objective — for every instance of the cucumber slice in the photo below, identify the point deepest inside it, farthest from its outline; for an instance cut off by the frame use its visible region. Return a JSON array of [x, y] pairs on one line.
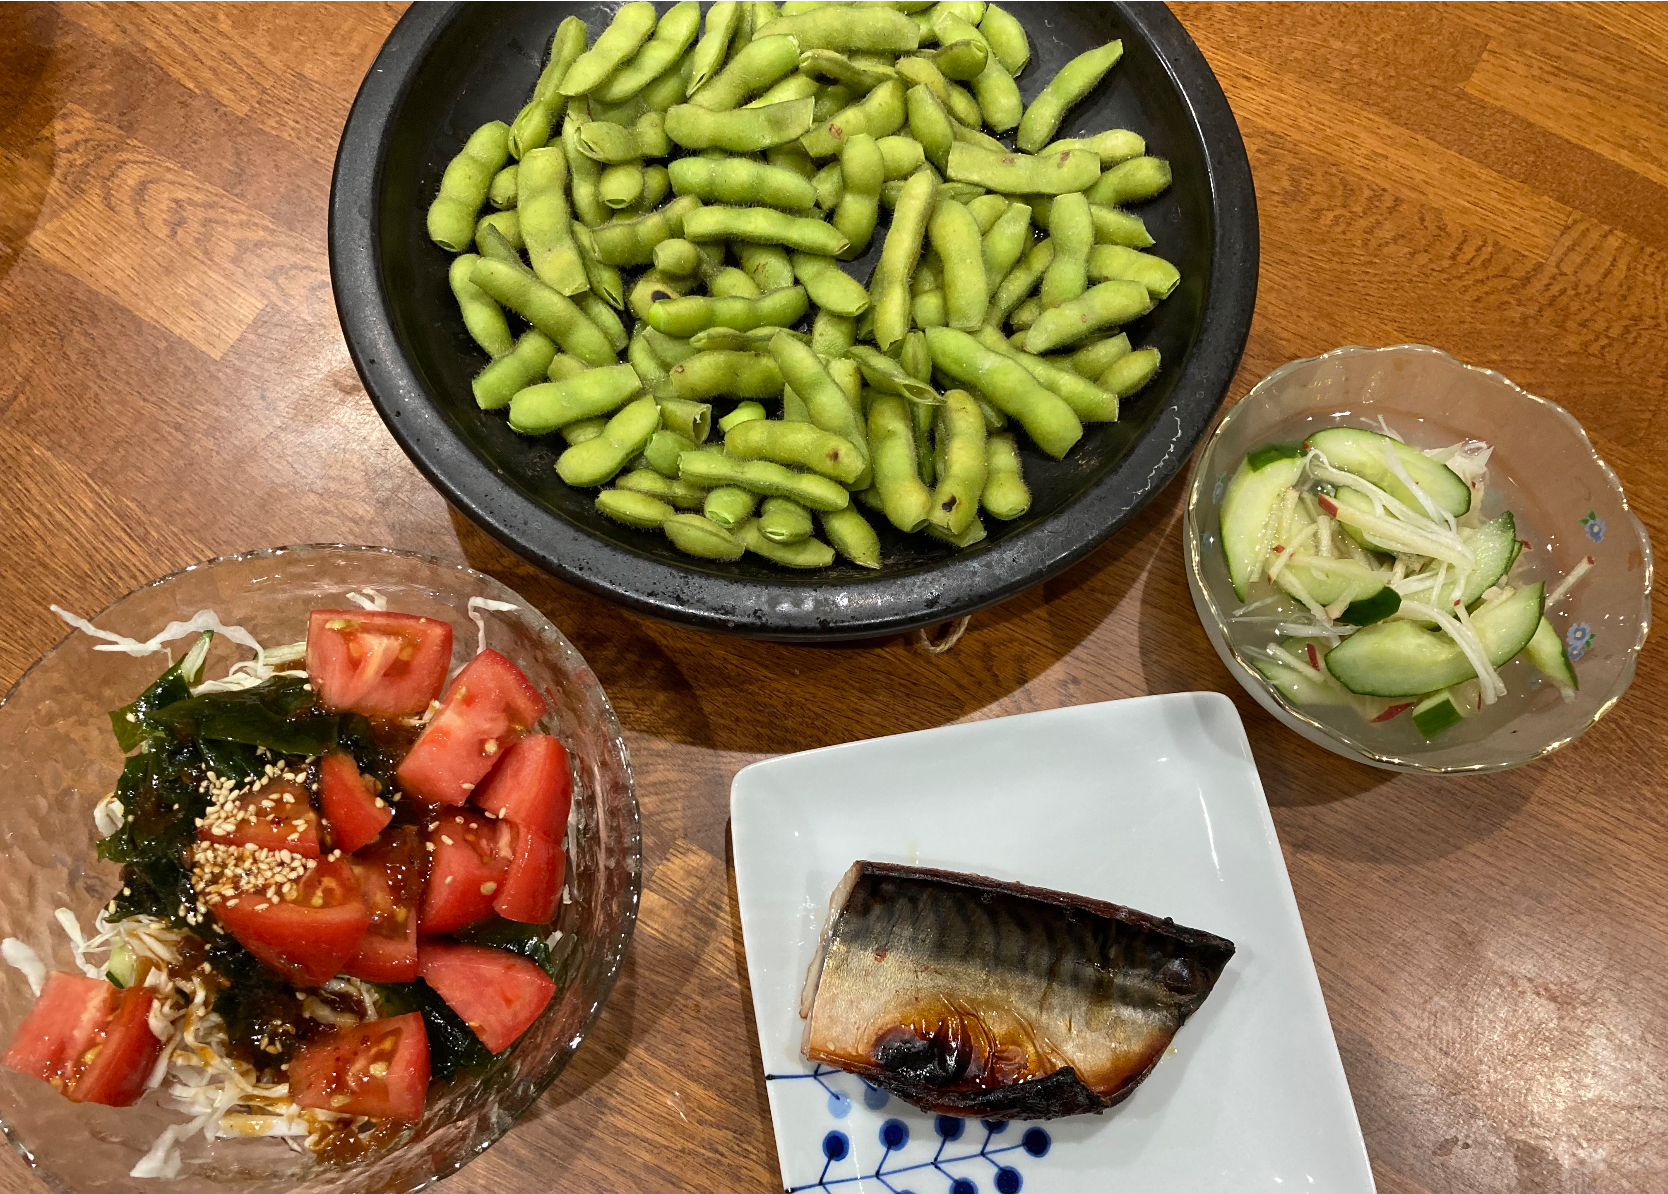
[[1298, 687], [1495, 546], [1398, 658], [1247, 504], [1362, 452], [1267, 454], [1346, 496], [1327, 580], [1437, 713], [1546, 652], [1366, 611]]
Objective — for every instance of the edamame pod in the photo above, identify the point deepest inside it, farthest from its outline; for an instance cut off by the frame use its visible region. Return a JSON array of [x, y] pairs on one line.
[[672, 36], [955, 236], [535, 410], [1006, 37], [1131, 182], [1128, 374], [533, 124], [605, 318], [792, 156], [1021, 174], [483, 317], [547, 309], [674, 491], [850, 534], [768, 265], [464, 186], [501, 193], [802, 553], [632, 242], [862, 171], [803, 444], [1006, 495], [765, 478], [963, 60], [676, 256], [831, 66], [633, 509], [744, 130], [686, 316], [974, 533], [641, 358], [795, 86], [723, 18], [729, 340], [825, 402], [1092, 360], [766, 226], [729, 506], [1114, 226], [1050, 423], [697, 536], [834, 28], [849, 378], [831, 334], [1074, 81], [744, 412], [1110, 145], [664, 448], [713, 374], [1026, 314], [597, 460], [729, 282], [651, 287], [505, 224], [1117, 261], [741, 181], [523, 365], [630, 28], [755, 67], [621, 186], [1005, 243], [889, 288], [1106, 305], [668, 350], [610, 144], [962, 467], [783, 520], [900, 156], [929, 273], [1072, 232], [972, 136], [671, 88], [986, 209], [904, 498], [1019, 282], [929, 124], [692, 420], [546, 226], [584, 174], [929, 310], [829, 286], [957, 101], [878, 114], [495, 247], [584, 429], [605, 280], [994, 88], [563, 366], [1091, 403]]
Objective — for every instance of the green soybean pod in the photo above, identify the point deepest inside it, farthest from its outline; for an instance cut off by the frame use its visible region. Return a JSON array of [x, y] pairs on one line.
[[755, 67], [743, 130], [593, 109], [929, 309], [956, 237], [890, 377], [692, 420], [792, 156], [744, 412], [974, 533], [900, 155], [729, 506], [764, 477], [546, 226], [793, 87], [1022, 174], [609, 143], [1106, 305], [904, 497], [727, 373], [862, 170], [584, 429], [829, 184], [793, 407], [1011, 291], [657, 184], [1072, 232], [986, 209], [506, 224], [803, 445], [563, 366], [651, 287], [1130, 182], [801, 553], [971, 135], [971, 11], [464, 186], [1026, 314], [834, 67], [676, 256], [698, 536], [672, 36], [1073, 81], [766, 226], [929, 125], [825, 401], [533, 124], [495, 247], [605, 318], [523, 365], [604, 280], [722, 339], [1093, 360], [1091, 403], [741, 181], [547, 309], [537, 409], [583, 176], [483, 317], [632, 242], [633, 509], [1006, 495], [596, 461], [995, 420], [674, 491], [961, 473], [768, 265], [723, 18], [501, 193], [1046, 417], [878, 114], [783, 520], [667, 349], [729, 282], [631, 27], [995, 89], [832, 334], [1110, 145], [1005, 243], [1114, 226], [829, 286], [929, 272], [838, 28], [1128, 374], [686, 316], [642, 358], [889, 288], [672, 87], [849, 378], [850, 534], [1006, 37], [621, 185], [963, 60], [1117, 261]]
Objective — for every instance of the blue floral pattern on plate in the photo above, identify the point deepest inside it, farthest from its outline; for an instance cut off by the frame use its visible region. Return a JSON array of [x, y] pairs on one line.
[[1594, 525], [1578, 639]]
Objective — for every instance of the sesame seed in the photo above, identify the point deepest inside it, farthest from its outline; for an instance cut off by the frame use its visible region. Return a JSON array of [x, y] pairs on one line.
[[488, 887], [447, 840]]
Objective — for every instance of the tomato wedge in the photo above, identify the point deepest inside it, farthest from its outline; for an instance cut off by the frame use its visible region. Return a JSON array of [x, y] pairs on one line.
[[533, 887], [485, 710], [377, 663], [278, 815], [355, 812], [498, 994], [380, 1069], [305, 935], [390, 875], [88, 1038], [468, 864], [532, 787]]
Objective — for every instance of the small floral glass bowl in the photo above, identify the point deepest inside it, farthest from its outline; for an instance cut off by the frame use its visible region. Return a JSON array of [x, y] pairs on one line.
[[1567, 504], [57, 758]]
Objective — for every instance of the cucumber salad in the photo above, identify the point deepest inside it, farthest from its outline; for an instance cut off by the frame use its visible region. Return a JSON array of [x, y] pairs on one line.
[[1388, 588]]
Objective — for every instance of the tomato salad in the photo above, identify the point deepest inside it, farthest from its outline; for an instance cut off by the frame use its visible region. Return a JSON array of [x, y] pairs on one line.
[[337, 884]]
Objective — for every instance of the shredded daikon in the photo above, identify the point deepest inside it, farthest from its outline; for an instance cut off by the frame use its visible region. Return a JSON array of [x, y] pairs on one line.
[[23, 958], [476, 605], [1466, 639], [1568, 583], [369, 599]]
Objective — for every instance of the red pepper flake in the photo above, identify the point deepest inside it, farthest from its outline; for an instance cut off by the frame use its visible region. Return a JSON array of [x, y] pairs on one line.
[[1392, 711]]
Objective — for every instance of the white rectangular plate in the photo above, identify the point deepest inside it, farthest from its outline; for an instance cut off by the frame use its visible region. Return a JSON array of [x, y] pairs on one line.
[[1153, 803]]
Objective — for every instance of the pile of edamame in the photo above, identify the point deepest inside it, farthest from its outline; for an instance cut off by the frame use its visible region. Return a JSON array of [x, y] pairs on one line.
[[765, 392]]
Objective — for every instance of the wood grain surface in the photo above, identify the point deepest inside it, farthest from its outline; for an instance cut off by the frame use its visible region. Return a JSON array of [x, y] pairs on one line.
[[1492, 180]]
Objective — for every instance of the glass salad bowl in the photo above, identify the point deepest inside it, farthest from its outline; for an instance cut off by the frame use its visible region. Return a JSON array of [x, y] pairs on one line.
[[1567, 504], [58, 757]]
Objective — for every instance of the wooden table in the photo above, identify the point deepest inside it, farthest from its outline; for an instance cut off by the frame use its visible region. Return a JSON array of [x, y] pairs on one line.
[[1491, 180]]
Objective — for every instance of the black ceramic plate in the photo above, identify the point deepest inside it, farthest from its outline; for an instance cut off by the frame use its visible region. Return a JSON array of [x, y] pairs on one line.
[[447, 68]]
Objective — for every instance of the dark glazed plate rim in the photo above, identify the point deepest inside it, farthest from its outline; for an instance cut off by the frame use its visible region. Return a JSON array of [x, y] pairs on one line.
[[850, 608]]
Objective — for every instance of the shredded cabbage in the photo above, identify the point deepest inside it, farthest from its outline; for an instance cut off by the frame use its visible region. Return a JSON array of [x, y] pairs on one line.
[[476, 605]]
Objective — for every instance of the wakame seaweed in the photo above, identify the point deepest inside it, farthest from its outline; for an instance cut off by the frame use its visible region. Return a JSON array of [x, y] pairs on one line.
[[527, 940], [272, 714], [452, 1044]]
